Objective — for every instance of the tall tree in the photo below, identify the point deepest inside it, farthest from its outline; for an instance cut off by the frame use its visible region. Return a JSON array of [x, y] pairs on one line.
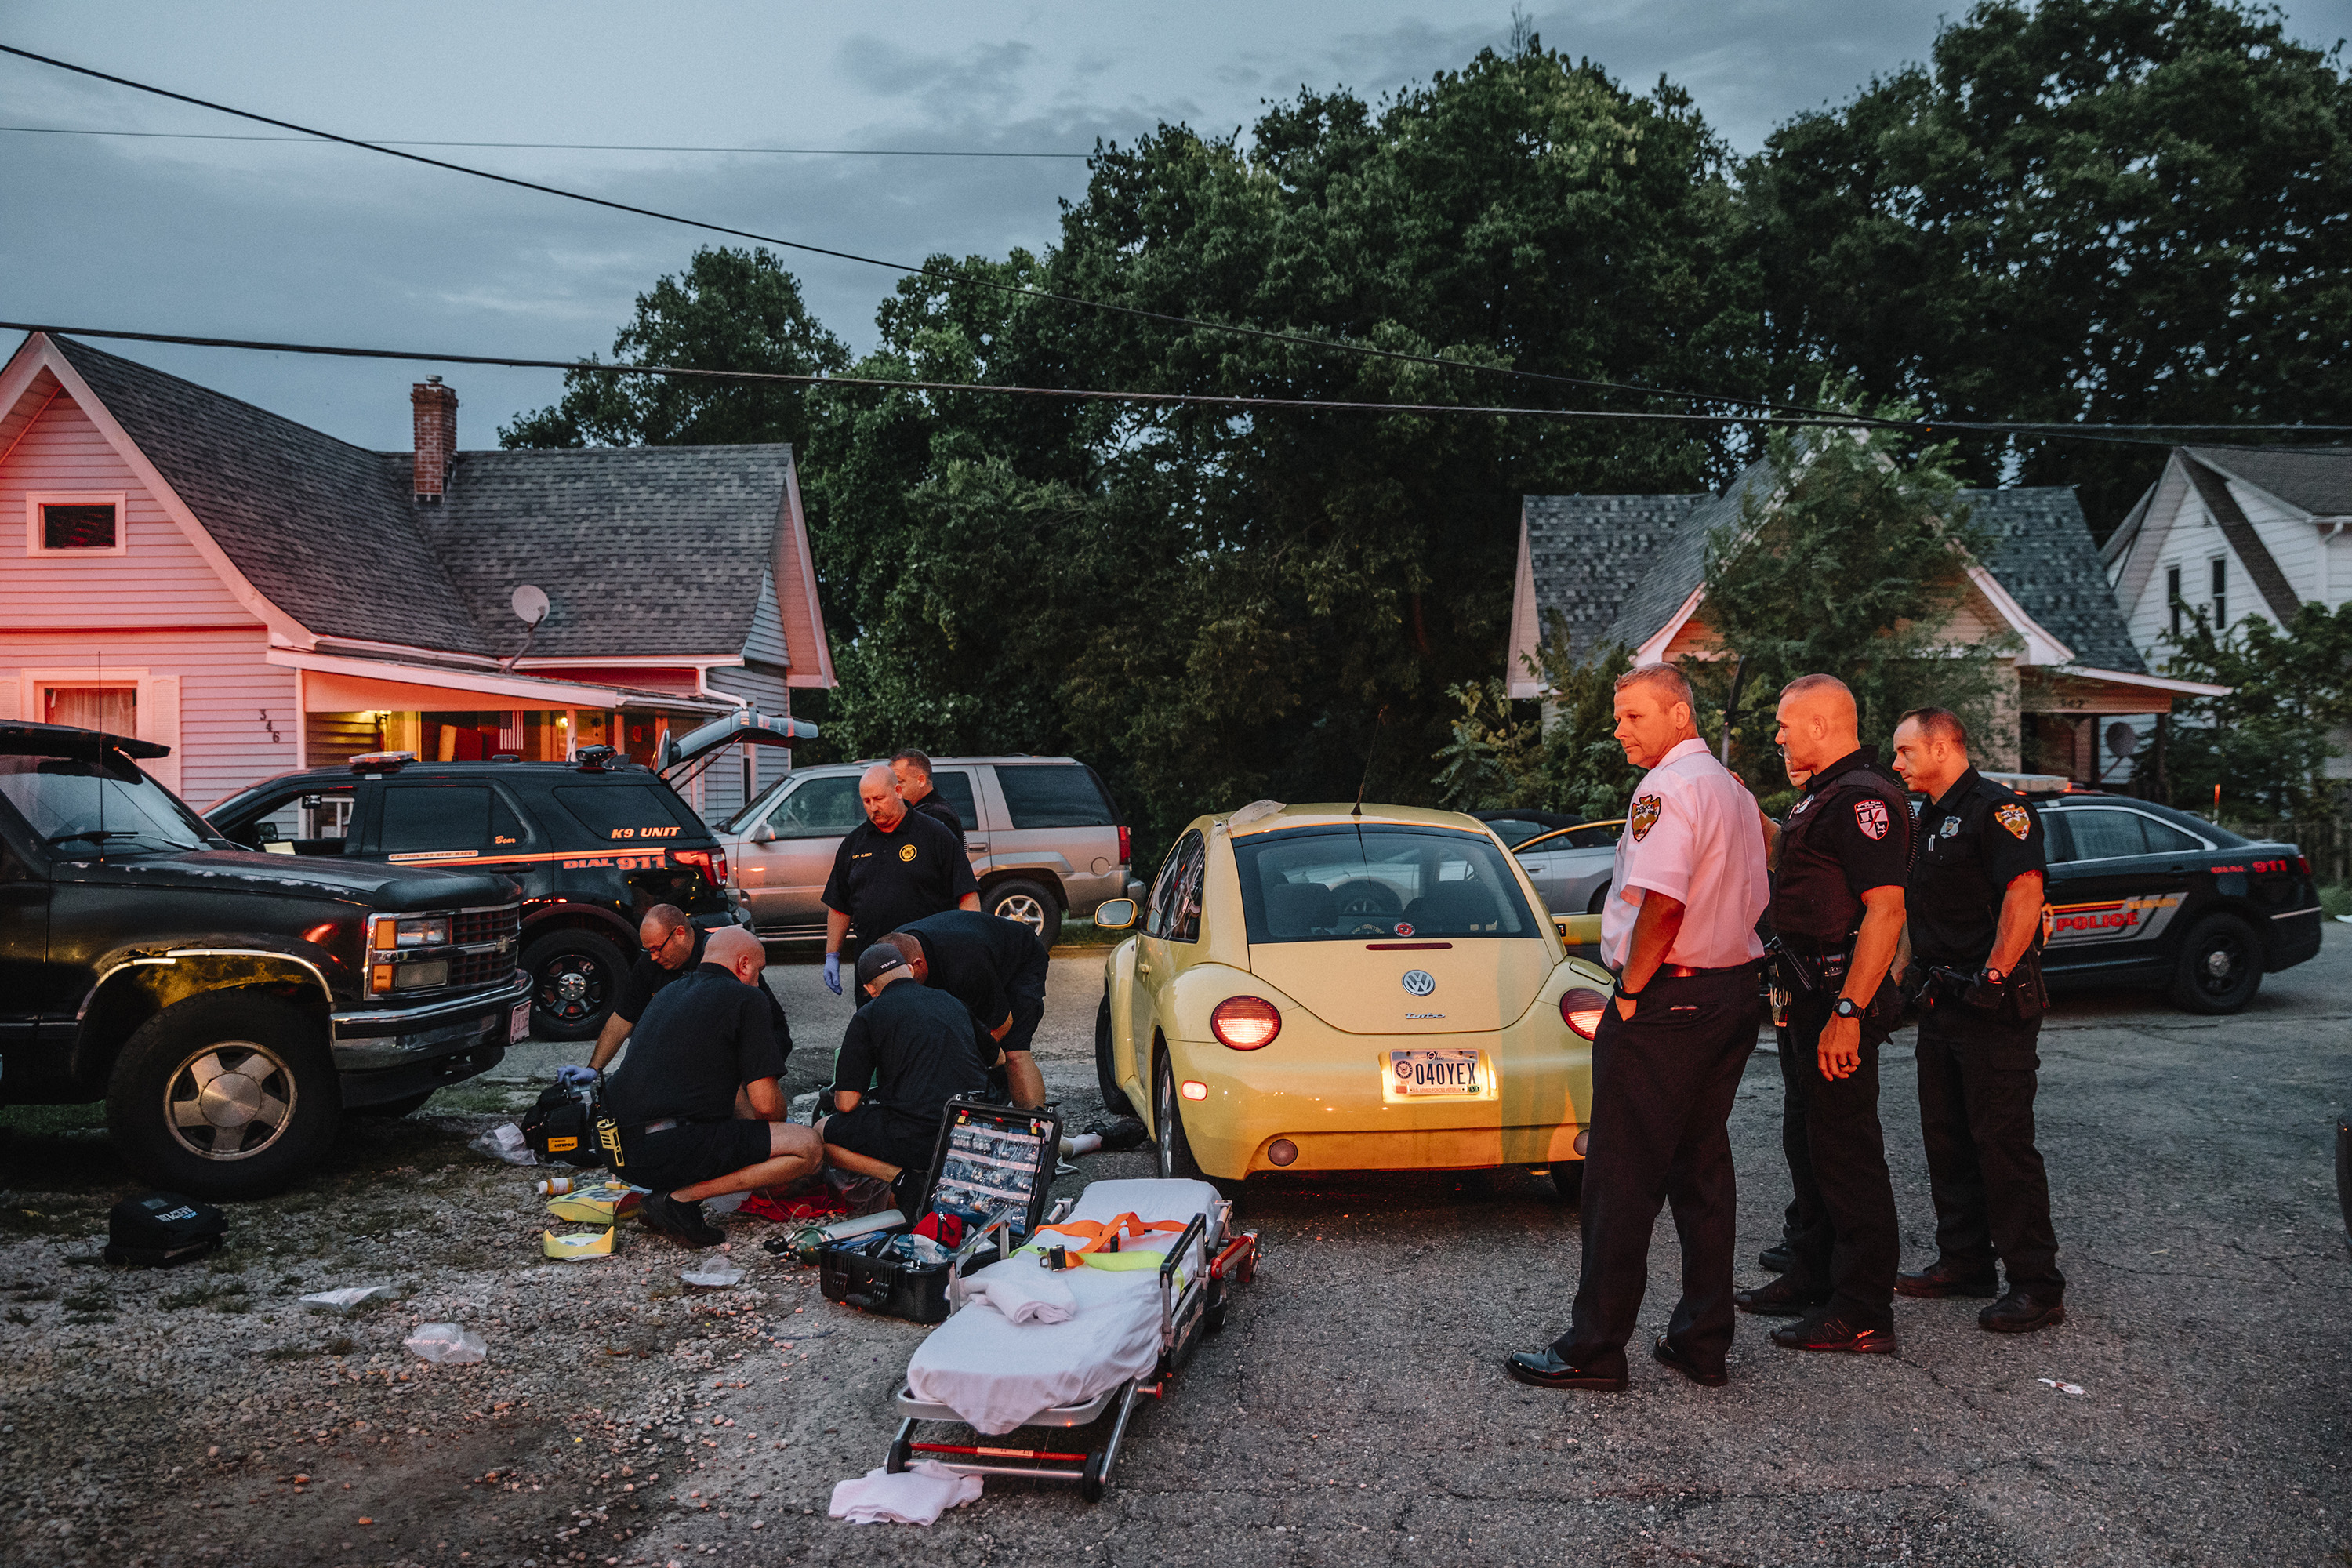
[[2123, 211], [2265, 747]]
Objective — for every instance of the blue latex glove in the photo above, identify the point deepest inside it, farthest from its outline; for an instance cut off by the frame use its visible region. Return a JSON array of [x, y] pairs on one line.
[[833, 972], [576, 1076]]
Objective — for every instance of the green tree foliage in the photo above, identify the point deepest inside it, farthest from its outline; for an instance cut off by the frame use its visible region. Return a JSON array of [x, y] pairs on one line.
[[731, 309], [1568, 760], [2268, 743], [2098, 210], [1851, 563]]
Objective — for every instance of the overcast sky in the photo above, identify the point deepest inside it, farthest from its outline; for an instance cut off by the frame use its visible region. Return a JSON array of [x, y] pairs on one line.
[[311, 243]]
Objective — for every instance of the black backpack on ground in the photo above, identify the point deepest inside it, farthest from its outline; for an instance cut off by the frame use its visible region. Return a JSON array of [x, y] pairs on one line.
[[158, 1228], [561, 1128]]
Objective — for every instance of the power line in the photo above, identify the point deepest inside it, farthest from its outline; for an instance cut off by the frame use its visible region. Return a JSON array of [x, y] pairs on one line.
[[941, 274], [556, 146], [2105, 433]]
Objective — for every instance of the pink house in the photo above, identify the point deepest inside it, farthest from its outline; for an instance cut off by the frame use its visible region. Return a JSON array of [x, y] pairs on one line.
[[183, 567]]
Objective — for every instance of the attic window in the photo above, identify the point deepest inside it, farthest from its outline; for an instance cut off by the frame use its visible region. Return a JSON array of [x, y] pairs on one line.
[[74, 525]]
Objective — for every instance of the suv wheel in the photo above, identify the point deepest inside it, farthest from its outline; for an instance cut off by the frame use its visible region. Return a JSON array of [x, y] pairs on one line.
[[576, 978], [2220, 967], [226, 1096], [1031, 905], [1114, 1097]]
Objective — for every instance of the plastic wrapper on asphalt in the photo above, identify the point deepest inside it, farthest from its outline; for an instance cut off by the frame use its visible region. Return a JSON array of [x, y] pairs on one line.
[[336, 1303], [446, 1344]]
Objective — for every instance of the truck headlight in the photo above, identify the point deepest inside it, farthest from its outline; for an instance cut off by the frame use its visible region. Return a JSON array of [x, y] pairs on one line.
[[420, 976], [390, 932]]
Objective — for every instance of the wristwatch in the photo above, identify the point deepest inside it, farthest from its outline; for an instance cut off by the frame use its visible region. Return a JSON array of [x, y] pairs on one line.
[[1993, 977], [1846, 1008]]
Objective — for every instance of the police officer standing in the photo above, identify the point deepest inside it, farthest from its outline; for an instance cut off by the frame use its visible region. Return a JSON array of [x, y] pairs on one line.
[[895, 867], [913, 770], [1679, 928], [1837, 916], [1976, 939]]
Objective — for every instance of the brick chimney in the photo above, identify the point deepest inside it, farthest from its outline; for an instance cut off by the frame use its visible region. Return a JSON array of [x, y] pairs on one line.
[[436, 436]]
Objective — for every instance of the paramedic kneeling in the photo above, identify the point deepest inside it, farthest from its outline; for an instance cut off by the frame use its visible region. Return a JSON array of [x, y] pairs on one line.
[[704, 1040], [919, 1048]]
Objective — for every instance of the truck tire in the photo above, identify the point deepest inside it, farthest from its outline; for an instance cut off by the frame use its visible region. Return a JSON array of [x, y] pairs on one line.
[[1114, 1097], [1033, 906], [232, 1095], [576, 978], [2220, 967]]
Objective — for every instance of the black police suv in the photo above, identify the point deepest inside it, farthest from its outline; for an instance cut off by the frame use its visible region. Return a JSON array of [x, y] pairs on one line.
[[229, 1007], [2141, 893], [594, 842]]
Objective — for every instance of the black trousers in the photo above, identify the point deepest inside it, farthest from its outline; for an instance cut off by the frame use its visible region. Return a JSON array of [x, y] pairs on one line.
[[1846, 1241], [1662, 1091], [1977, 1075]]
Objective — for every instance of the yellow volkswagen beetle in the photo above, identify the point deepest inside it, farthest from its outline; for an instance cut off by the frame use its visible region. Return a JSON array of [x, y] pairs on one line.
[[1313, 990]]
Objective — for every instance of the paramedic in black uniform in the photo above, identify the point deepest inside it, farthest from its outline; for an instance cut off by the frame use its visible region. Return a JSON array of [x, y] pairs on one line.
[[997, 968], [1837, 915], [913, 770], [1976, 966], [699, 1109], [895, 867], [671, 948], [901, 1060]]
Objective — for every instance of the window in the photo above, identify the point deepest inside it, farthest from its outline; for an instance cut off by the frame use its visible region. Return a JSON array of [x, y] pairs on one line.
[[824, 808], [113, 709], [1053, 795], [2106, 834], [2163, 838], [2221, 593], [313, 823], [623, 812], [1175, 912], [74, 524], [954, 787], [1348, 884], [424, 818], [104, 810], [1515, 831], [2172, 595]]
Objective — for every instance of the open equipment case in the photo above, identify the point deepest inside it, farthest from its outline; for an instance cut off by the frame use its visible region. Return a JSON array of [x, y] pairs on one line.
[[991, 1161]]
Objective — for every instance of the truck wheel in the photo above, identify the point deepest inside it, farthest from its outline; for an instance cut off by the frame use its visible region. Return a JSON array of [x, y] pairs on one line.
[[227, 1096], [1114, 1097], [2220, 967], [576, 978], [1031, 905]]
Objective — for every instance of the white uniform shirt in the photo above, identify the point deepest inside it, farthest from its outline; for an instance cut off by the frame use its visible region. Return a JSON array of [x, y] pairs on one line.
[[1693, 833]]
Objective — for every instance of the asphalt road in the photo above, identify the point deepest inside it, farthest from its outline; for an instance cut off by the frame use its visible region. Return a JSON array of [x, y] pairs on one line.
[[1354, 1411]]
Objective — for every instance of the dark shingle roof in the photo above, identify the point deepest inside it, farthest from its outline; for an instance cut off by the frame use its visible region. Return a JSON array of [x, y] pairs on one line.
[[1590, 552], [2316, 479], [2041, 550], [1680, 562], [647, 550]]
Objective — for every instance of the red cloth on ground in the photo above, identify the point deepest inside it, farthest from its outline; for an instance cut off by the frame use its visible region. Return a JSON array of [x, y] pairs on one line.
[[793, 1211]]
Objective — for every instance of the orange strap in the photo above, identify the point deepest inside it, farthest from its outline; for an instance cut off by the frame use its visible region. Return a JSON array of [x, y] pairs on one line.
[[1104, 1238]]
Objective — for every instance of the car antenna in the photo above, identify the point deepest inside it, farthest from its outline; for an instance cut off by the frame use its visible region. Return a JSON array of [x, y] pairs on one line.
[[1369, 753]]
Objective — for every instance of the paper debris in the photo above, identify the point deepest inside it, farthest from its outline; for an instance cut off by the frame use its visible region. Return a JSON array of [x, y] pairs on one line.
[[577, 1247], [716, 1275], [506, 1142], [2072, 1388], [337, 1302]]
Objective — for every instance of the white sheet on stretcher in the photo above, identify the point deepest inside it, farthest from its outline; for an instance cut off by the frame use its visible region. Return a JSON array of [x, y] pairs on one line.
[[996, 1374]]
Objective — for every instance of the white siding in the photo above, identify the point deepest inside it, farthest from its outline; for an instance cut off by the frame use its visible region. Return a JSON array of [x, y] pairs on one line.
[[723, 784], [2291, 540], [766, 641], [161, 580], [230, 699]]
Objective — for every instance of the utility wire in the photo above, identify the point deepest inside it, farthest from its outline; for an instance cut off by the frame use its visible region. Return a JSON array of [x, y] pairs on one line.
[[2112, 433], [555, 146], [941, 274]]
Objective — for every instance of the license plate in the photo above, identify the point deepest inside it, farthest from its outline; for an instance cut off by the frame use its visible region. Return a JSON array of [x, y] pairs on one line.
[[1416, 1073], [518, 1022]]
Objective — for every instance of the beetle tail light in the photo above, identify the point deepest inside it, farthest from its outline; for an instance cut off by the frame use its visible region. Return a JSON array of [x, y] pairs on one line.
[[1581, 1010], [1244, 1023]]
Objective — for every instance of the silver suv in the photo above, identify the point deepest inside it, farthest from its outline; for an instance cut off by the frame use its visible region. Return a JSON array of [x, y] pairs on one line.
[[1043, 832]]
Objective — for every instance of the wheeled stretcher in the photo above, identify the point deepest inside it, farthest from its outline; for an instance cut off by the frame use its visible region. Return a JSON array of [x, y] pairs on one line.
[[1130, 1330]]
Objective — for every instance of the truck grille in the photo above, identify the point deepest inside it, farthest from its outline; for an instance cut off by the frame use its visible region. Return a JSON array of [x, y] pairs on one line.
[[480, 968], [473, 928]]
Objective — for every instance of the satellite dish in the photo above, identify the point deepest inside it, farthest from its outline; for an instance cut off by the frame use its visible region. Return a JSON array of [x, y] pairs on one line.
[[531, 604], [2122, 739]]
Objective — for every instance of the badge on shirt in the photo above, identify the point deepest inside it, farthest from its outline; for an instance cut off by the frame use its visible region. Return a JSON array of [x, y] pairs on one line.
[[1870, 816], [1951, 829], [906, 852], [1801, 807], [2014, 817], [1645, 815]]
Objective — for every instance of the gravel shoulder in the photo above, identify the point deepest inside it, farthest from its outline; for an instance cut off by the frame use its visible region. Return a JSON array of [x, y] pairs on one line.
[[1353, 1412]]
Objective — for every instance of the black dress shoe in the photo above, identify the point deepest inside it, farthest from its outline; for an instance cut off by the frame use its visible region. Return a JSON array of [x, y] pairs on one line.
[[1942, 1280], [1672, 1356], [1776, 1258], [2022, 1312], [1833, 1333], [1544, 1369], [1779, 1298], [681, 1222]]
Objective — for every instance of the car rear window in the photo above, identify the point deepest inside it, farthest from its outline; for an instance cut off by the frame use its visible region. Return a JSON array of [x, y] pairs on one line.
[[1343, 884], [1051, 794], [627, 812], [423, 818], [824, 808], [1517, 830]]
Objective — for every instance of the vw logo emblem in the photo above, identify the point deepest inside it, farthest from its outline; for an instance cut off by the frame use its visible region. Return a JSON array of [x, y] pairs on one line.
[[1420, 982]]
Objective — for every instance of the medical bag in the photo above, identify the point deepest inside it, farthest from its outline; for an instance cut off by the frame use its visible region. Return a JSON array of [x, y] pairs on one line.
[[992, 1163], [561, 1128], [159, 1228]]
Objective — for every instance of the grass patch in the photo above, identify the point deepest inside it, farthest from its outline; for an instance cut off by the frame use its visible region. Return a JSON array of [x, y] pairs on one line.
[[51, 1120], [2335, 898], [1085, 933]]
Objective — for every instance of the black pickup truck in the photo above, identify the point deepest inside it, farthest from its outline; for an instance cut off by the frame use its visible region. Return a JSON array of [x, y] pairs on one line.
[[228, 1007]]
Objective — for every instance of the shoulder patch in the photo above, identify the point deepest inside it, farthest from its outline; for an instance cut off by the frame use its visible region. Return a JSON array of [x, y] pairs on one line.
[[1871, 818], [2014, 817], [1644, 815]]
